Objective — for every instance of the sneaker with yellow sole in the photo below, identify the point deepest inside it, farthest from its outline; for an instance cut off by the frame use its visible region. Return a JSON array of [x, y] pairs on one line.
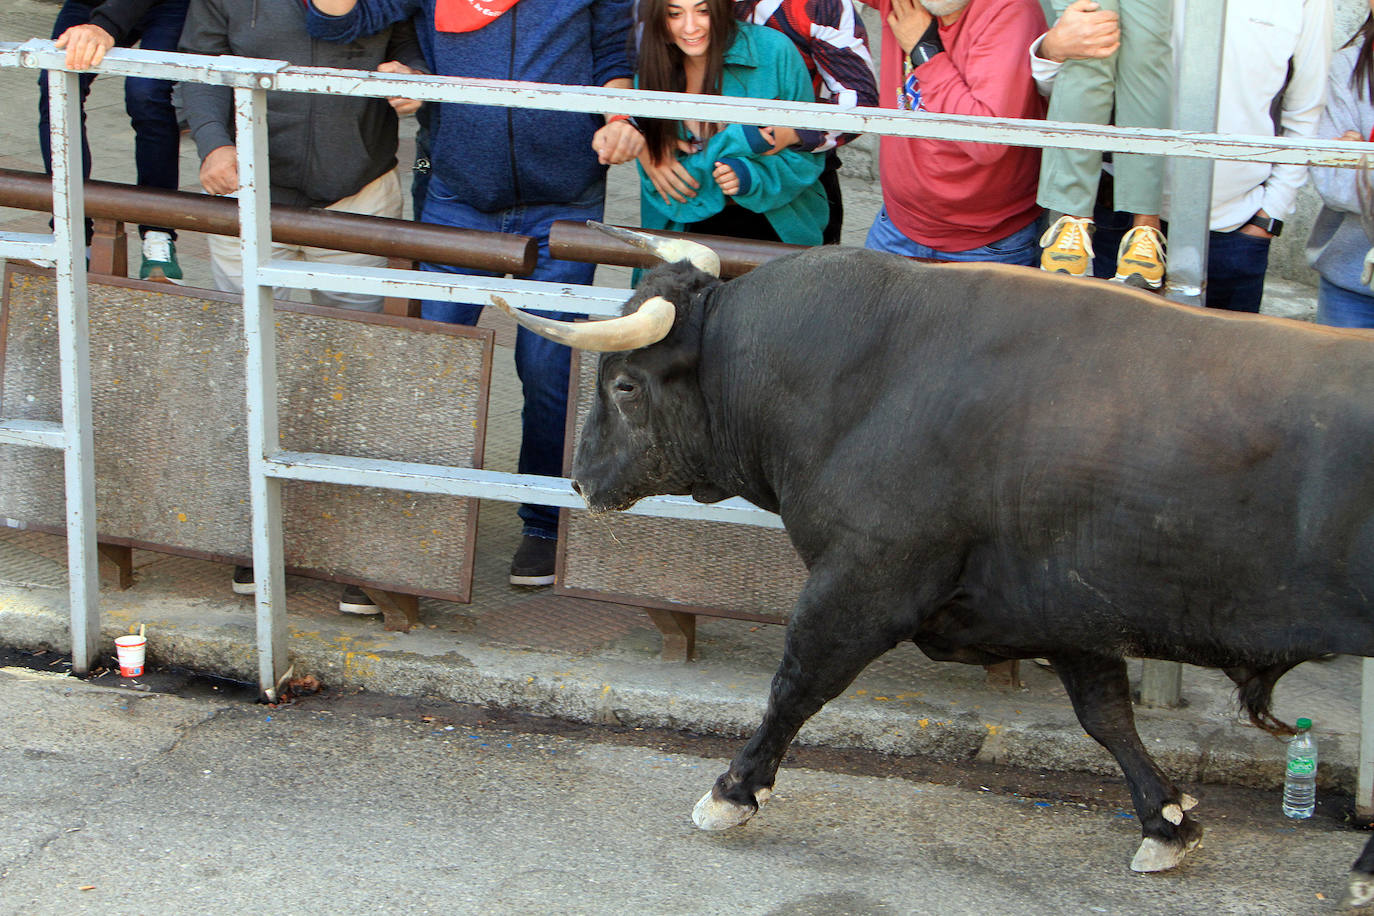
[[1140, 258], [1068, 247]]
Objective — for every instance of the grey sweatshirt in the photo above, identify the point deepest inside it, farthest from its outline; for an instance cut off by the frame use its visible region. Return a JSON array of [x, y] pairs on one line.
[[321, 148], [1338, 242]]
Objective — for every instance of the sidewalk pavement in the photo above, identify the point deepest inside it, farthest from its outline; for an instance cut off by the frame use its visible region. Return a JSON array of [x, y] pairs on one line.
[[597, 662]]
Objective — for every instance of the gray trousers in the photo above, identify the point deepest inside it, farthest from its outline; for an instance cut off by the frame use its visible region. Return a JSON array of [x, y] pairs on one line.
[[1138, 81]]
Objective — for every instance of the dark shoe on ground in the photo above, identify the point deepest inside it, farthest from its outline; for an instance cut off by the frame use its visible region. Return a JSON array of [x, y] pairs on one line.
[[355, 601], [534, 561], [243, 580]]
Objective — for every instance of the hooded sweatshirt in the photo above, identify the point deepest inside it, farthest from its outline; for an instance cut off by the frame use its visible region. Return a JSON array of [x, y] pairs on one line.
[[321, 148], [494, 158], [1338, 242]]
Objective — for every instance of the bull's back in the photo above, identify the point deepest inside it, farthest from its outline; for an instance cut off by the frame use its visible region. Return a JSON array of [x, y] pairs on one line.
[[1101, 447]]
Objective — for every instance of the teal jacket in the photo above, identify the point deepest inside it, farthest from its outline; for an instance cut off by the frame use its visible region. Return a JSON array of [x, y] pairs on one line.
[[761, 64]]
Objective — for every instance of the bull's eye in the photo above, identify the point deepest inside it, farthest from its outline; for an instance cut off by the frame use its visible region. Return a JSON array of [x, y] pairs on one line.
[[624, 386]]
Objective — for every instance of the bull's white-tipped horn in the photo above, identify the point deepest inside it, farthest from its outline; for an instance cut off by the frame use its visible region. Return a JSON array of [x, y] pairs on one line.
[[669, 250], [649, 324]]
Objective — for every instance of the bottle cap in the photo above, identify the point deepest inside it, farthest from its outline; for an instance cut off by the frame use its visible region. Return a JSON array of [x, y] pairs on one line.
[[1304, 724]]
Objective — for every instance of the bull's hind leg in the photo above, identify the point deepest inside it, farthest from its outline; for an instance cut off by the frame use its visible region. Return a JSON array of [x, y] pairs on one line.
[[820, 659], [1100, 692]]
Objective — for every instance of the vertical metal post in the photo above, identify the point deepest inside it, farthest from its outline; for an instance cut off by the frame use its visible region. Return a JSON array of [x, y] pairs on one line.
[[1364, 775], [78, 451], [259, 328], [1198, 69]]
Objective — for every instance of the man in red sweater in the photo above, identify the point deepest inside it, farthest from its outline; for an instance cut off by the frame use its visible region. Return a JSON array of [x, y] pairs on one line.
[[948, 200]]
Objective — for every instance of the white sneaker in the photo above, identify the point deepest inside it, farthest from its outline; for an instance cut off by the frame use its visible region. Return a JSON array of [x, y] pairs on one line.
[[159, 257]]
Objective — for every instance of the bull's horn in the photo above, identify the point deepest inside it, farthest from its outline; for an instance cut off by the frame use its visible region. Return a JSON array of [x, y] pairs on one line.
[[647, 325], [669, 250]]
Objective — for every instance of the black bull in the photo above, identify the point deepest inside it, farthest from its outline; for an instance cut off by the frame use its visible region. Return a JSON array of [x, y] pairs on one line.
[[998, 464]]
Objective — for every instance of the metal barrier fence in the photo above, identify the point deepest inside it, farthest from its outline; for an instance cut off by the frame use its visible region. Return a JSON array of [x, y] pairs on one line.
[[251, 79]]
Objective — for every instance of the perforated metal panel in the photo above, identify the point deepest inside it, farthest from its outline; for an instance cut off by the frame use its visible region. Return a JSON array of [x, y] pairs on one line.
[[167, 376], [712, 568]]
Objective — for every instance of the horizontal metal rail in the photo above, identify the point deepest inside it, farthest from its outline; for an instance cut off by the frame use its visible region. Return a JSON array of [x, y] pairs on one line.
[[495, 251], [444, 480], [528, 294], [575, 241], [277, 75], [27, 245], [40, 433]]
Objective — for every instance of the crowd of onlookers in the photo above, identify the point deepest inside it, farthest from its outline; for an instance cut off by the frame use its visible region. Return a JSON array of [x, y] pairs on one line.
[[517, 170]]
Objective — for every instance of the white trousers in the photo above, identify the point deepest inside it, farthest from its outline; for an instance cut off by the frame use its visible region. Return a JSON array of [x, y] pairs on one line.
[[380, 197]]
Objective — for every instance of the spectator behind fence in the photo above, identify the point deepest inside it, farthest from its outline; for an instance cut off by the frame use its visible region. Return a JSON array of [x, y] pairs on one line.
[[1340, 237], [332, 151], [743, 187], [834, 46], [1274, 61], [515, 170], [947, 200], [87, 30], [1129, 85]]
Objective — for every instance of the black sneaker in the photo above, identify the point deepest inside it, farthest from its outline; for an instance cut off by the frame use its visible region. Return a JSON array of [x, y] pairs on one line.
[[534, 561], [243, 580], [355, 601]]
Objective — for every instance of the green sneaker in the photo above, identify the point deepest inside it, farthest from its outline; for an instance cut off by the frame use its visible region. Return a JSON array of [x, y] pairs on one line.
[[159, 257]]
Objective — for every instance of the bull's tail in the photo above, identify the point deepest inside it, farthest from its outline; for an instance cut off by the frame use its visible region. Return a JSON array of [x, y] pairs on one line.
[[1255, 691]]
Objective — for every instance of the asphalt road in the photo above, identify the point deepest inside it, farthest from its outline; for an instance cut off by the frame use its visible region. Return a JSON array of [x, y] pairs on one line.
[[124, 801]]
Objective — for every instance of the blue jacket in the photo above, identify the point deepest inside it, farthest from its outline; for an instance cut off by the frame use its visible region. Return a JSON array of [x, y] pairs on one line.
[[495, 158], [760, 64]]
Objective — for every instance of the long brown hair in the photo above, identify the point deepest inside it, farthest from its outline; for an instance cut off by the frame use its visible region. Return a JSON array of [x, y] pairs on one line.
[[661, 67], [1362, 76]]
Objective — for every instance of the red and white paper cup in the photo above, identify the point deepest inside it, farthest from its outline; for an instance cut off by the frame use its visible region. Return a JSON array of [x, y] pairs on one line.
[[130, 651]]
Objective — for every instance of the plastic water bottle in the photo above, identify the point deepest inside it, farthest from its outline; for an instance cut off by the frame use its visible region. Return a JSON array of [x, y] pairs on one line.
[[1300, 782]]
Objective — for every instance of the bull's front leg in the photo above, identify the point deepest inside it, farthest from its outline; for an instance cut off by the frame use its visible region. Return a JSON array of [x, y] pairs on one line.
[[1100, 692], [1360, 891], [820, 659]]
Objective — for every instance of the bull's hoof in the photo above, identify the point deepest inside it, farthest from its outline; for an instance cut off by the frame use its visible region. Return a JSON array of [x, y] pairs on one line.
[[1159, 855], [1360, 891], [712, 813]]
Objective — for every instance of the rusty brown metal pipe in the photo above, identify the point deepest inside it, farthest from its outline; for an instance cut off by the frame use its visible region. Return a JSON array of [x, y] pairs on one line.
[[493, 251], [576, 241]]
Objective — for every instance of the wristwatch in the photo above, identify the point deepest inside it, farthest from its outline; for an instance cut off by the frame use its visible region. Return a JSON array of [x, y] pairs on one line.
[[1270, 225], [928, 46]]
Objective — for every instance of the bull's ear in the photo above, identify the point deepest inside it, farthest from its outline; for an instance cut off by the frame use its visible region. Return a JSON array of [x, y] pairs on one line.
[[672, 361]]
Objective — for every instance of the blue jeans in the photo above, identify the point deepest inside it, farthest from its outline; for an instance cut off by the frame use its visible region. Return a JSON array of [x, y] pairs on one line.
[[1236, 262], [542, 365], [1344, 308], [1017, 248], [157, 138], [419, 177]]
